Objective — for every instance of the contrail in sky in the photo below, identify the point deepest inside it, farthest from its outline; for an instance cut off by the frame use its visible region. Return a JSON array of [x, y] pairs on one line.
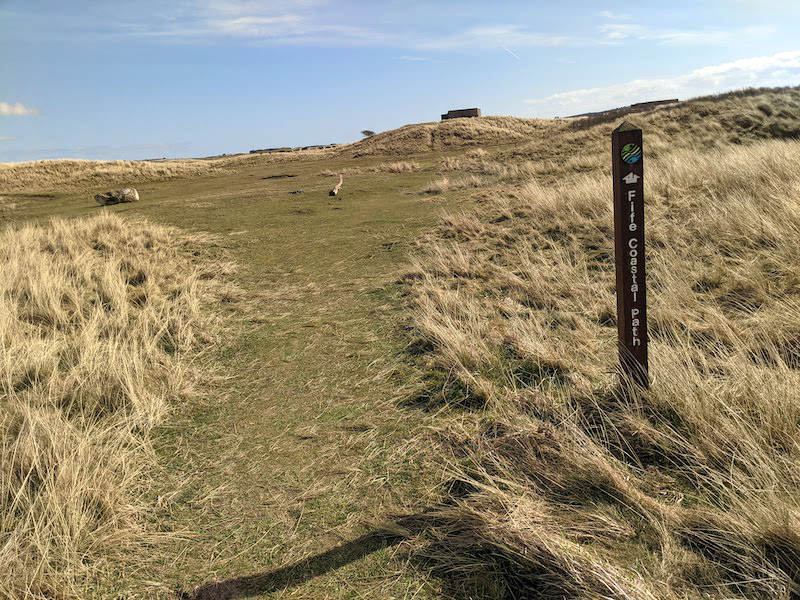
[[510, 52]]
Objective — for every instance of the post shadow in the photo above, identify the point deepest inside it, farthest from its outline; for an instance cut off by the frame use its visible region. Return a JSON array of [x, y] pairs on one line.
[[304, 570]]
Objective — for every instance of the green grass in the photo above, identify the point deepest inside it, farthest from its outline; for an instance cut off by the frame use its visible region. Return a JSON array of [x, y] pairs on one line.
[[300, 447]]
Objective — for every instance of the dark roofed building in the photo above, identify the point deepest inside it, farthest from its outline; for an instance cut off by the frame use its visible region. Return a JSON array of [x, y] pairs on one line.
[[462, 113]]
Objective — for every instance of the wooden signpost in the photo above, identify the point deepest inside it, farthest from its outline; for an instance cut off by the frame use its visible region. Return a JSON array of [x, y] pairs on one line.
[[628, 170]]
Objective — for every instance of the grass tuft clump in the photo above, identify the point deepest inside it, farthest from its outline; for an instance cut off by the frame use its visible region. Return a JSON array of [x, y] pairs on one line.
[[99, 319], [576, 488]]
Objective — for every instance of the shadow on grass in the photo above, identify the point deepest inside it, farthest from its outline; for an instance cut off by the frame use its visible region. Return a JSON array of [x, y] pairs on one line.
[[438, 390], [296, 574], [405, 528], [248, 586]]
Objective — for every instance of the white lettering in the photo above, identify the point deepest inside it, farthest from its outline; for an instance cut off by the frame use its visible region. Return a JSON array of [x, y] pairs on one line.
[[633, 243], [631, 195]]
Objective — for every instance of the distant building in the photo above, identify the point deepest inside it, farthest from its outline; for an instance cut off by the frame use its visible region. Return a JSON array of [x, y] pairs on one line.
[[462, 113], [287, 149], [654, 103], [638, 107]]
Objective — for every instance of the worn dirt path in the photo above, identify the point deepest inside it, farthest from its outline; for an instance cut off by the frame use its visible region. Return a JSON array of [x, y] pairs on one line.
[[274, 479]]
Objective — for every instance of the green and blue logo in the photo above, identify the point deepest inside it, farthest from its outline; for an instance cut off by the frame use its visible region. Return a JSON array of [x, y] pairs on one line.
[[631, 153]]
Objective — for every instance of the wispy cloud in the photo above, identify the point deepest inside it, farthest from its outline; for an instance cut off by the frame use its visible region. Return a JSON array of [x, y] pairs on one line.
[[258, 22], [416, 58], [281, 30], [779, 69], [274, 22], [765, 6], [492, 36], [617, 33], [621, 31], [17, 110], [7, 138], [607, 14], [707, 37], [324, 23]]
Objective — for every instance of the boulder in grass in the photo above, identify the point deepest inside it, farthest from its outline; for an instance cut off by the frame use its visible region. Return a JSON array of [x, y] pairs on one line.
[[117, 196]]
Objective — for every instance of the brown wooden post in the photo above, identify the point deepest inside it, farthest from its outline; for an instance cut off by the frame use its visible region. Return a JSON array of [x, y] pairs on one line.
[[628, 171]]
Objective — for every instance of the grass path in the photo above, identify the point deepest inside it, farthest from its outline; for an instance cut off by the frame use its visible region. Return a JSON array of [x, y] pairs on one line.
[[301, 450]]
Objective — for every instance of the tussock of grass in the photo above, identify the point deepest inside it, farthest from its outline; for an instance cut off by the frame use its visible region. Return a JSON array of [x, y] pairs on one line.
[[403, 166], [445, 184], [573, 489], [98, 321], [406, 166], [67, 173], [506, 171]]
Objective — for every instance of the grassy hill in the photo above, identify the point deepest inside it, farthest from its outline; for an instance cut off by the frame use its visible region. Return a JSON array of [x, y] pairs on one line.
[[382, 399], [567, 488]]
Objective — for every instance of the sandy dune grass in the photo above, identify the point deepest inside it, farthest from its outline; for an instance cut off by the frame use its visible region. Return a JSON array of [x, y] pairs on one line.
[[562, 488], [99, 321], [52, 174], [71, 174], [692, 491], [715, 120]]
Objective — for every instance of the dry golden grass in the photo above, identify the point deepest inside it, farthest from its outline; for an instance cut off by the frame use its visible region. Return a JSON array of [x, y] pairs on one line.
[[445, 184], [51, 174], [567, 487], [68, 174], [704, 122], [405, 166], [507, 171], [99, 320], [450, 134]]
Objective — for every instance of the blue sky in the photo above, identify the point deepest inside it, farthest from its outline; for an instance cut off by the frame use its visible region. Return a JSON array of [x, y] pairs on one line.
[[144, 79]]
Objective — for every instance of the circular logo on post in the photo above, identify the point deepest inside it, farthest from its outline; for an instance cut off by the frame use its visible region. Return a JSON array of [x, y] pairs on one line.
[[631, 153]]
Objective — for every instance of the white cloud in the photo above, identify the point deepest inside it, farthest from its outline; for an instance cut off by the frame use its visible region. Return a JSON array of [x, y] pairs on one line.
[[17, 110], [621, 31], [324, 23], [272, 22], [765, 6], [492, 36], [614, 16], [616, 33], [7, 138], [779, 69], [287, 29]]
